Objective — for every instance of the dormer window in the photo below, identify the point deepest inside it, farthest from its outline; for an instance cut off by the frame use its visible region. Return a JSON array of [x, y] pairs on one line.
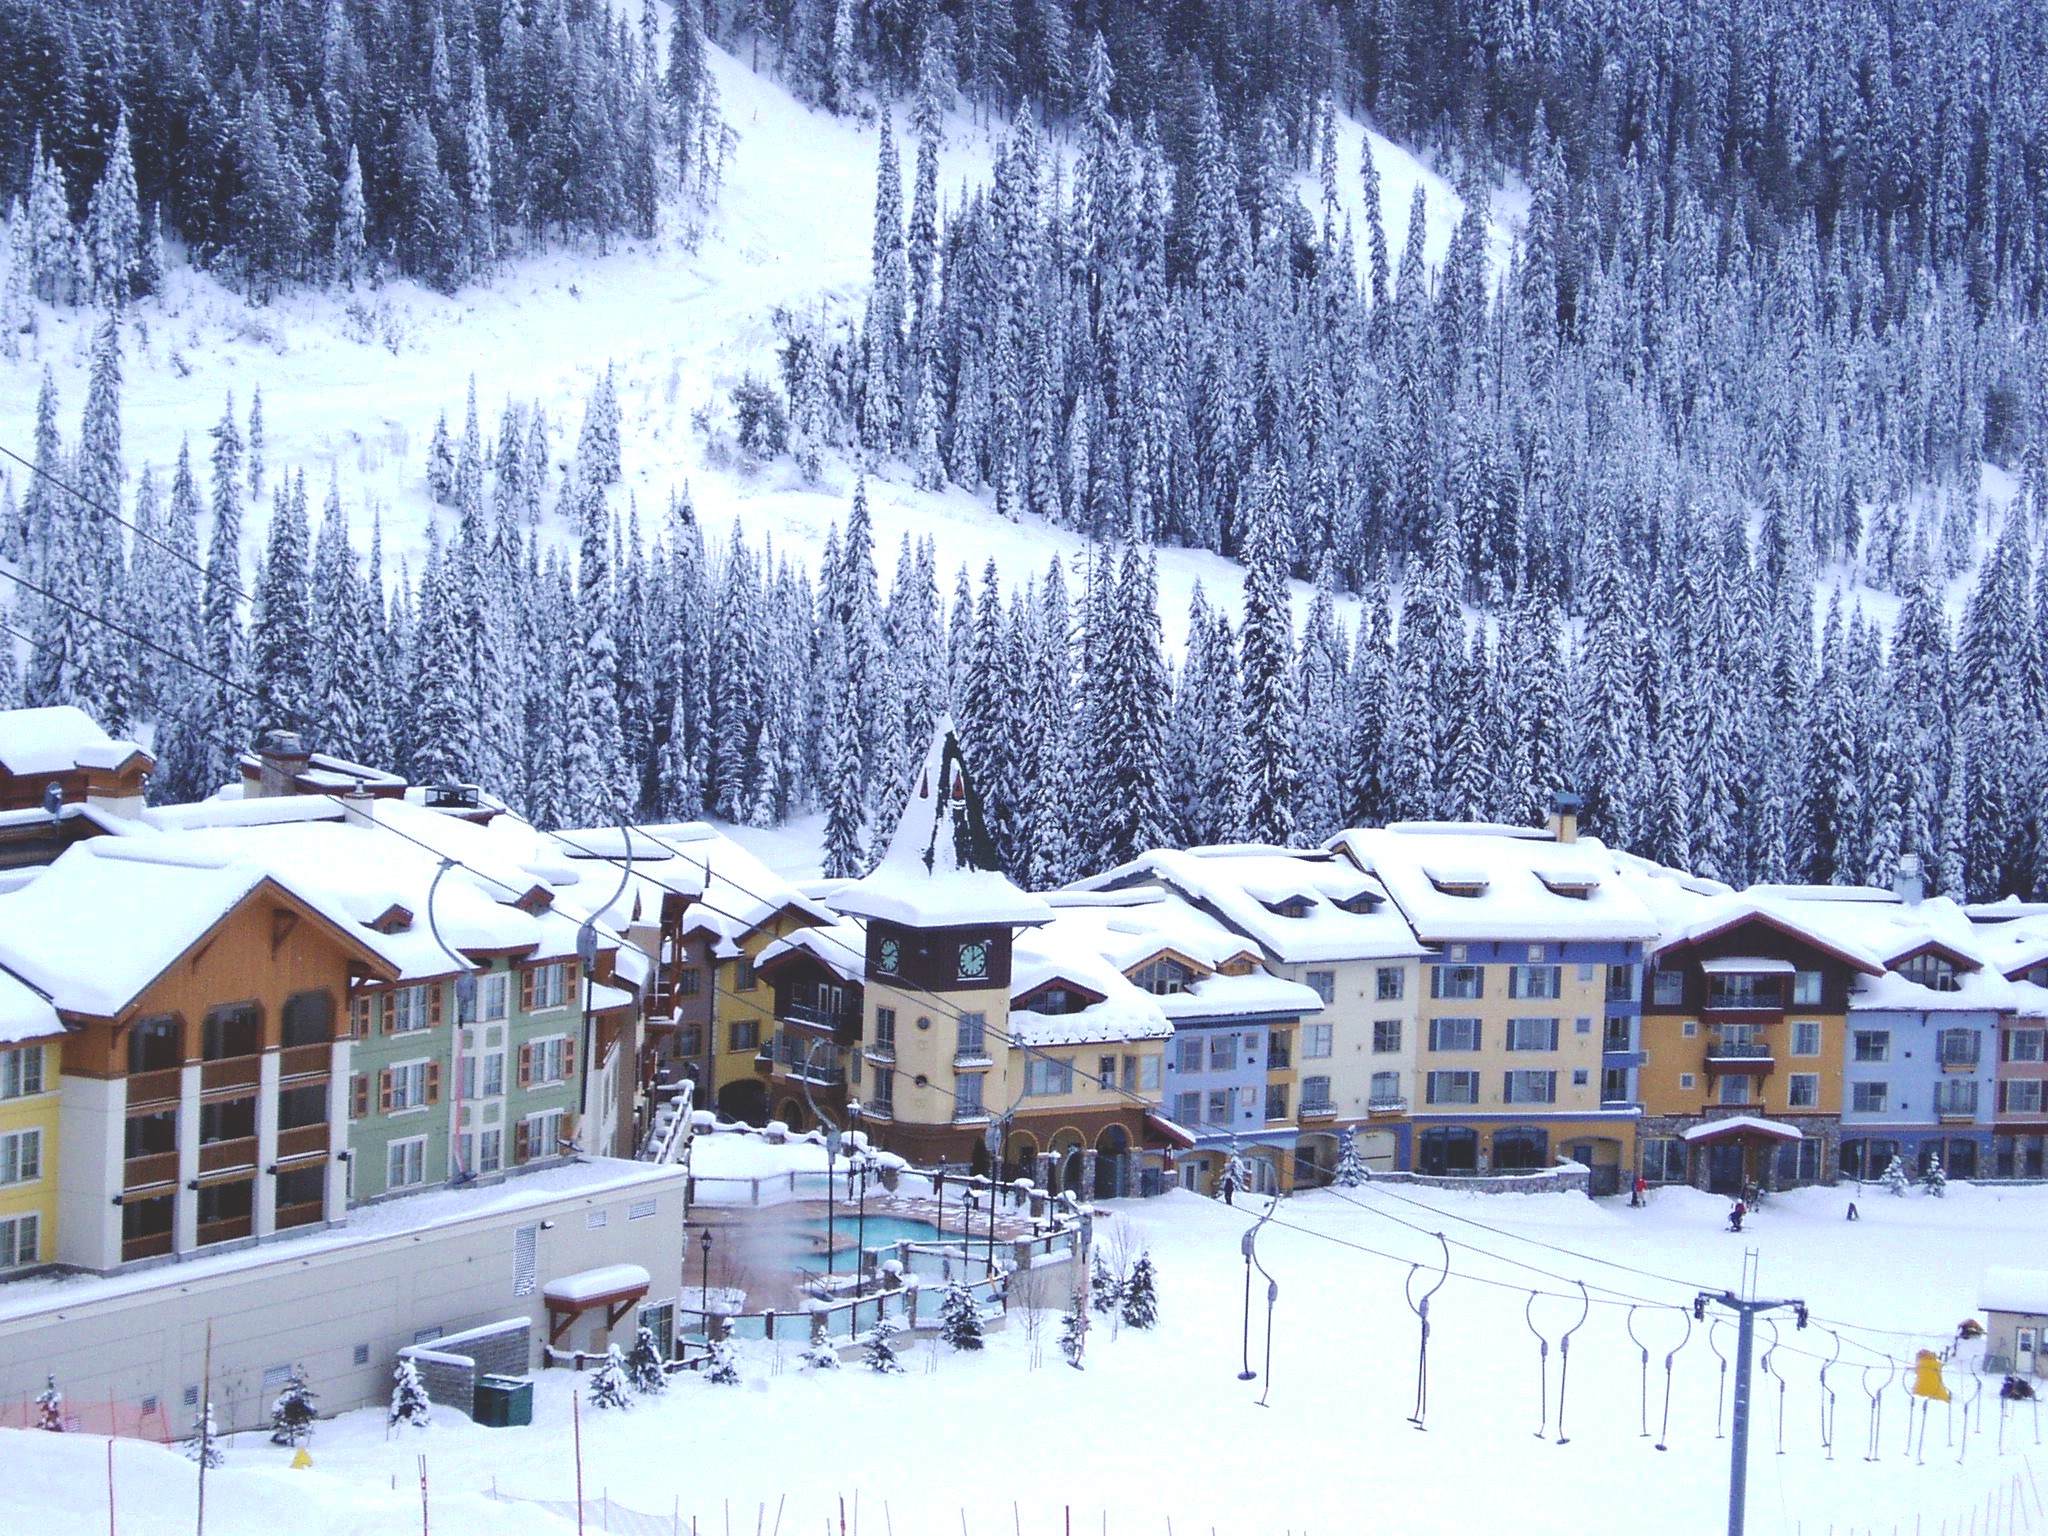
[[1931, 971], [1163, 977], [1458, 882], [1289, 906], [1361, 905], [1572, 886]]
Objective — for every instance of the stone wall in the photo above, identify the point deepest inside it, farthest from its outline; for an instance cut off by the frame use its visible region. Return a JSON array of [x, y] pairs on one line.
[[1566, 1179], [449, 1367]]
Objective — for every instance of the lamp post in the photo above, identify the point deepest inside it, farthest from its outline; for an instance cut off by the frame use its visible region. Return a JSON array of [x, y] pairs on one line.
[[831, 1177], [862, 1159], [704, 1285], [994, 1142]]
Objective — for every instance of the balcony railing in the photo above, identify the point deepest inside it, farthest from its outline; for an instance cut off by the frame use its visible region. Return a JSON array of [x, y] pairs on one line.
[[1325, 1110], [1386, 1106], [149, 1245], [1740, 1049], [218, 1156], [302, 1140], [823, 1018], [159, 1087], [230, 1072], [976, 1056], [305, 1061], [969, 1114], [150, 1168], [805, 1060], [300, 1215], [225, 1230]]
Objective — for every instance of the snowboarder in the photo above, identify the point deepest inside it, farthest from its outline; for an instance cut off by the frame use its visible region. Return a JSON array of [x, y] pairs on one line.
[[1735, 1215], [1854, 1215]]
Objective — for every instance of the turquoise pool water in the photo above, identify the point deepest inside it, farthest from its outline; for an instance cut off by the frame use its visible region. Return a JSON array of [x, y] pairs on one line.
[[876, 1232]]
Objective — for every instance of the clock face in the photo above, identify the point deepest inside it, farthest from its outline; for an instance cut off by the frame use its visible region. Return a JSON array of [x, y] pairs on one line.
[[974, 960], [892, 955]]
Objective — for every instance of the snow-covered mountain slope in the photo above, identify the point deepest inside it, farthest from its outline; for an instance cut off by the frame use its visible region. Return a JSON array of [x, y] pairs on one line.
[[353, 382]]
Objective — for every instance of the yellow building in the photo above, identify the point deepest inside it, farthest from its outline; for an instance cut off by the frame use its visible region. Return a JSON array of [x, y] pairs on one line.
[[31, 1047]]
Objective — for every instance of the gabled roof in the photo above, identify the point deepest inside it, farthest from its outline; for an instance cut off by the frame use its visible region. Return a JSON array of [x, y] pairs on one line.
[[1729, 914], [25, 1013], [60, 738], [940, 870], [731, 893]]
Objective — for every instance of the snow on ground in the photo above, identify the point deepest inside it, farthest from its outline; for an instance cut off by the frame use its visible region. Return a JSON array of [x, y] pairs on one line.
[[1158, 1428], [352, 384]]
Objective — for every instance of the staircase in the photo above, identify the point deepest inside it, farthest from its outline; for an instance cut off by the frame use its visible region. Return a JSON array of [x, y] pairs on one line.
[[668, 1133]]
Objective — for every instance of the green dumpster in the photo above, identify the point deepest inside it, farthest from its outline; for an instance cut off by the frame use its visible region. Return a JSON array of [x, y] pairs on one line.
[[503, 1401]]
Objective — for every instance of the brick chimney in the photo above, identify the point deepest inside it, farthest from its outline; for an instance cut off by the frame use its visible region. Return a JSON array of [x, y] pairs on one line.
[[281, 757]]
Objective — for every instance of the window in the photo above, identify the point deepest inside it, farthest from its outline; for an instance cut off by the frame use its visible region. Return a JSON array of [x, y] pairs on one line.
[[1219, 1106], [689, 982], [885, 1029], [1734, 1089], [1163, 978], [494, 1074], [1532, 1034], [547, 1060], [1386, 1088], [408, 1009], [1535, 981], [1459, 981], [1317, 1041], [21, 1072], [743, 977], [406, 1085], [2025, 1044], [1187, 1053], [1047, 1075], [967, 1095], [1614, 1086], [882, 1093], [1619, 1035], [538, 1136], [1588, 971], [1806, 1037], [1870, 1098], [1802, 1091], [1582, 1026], [308, 1019], [546, 987], [490, 1151], [1324, 985], [1222, 1052], [1582, 1077], [1315, 1096], [1687, 1081], [1739, 992], [1105, 1074], [1663, 1160], [19, 1236], [744, 1034], [1932, 972], [153, 1045], [1667, 988], [689, 1040], [1390, 983], [1873, 1045], [1452, 1088], [1187, 1108], [21, 1157], [1454, 1034], [1957, 1047], [1529, 1088], [1386, 1036], [1279, 1051], [1806, 989], [405, 1163], [493, 997], [2022, 1097], [1148, 1074], [232, 1031], [1956, 1099], [301, 1106], [1621, 983], [972, 1042], [1689, 1028], [1276, 1101], [227, 1120], [1536, 953]]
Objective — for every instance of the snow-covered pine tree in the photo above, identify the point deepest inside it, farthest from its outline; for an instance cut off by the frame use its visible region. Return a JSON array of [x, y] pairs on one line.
[[50, 1406], [282, 632], [1074, 1333], [293, 1413], [646, 1364], [1105, 1291], [256, 444], [1935, 1179], [611, 1385], [879, 1355], [202, 1445], [821, 1354], [1351, 1169], [1141, 1294], [113, 224], [722, 1366], [409, 1401], [1895, 1177], [441, 463], [1271, 704], [960, 1318], [225, 653]]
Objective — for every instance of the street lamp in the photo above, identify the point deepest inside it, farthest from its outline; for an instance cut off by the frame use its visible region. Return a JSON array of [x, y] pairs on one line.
[[831, 1176], [704, 1286], [993, 1139], [862, 1159]]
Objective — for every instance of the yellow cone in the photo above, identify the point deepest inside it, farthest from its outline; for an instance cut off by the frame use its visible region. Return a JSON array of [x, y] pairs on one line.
[[302, 1458], [1927, 1376]]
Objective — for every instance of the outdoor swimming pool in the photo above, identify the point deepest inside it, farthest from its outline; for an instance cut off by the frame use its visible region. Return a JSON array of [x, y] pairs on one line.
[[875, 1233]]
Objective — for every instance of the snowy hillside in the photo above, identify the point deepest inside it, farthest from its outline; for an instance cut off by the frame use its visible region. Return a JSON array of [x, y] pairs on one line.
[[352, 384]]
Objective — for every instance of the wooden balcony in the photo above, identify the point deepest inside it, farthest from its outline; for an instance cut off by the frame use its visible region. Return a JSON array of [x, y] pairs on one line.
[[303, 1061], [150, 1245], [225, 1231], [219, 1156], [146, 1088], [302, 1141], [1747, 1056], [309, 1214], [151, 1168], [230, 1072]]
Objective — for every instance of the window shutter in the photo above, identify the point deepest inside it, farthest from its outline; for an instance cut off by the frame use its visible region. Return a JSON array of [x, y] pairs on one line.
[[359, 1096], [525, 1072], [520, 1139], [569, 1056], [434, 991], [384, 1091], [433, 1082], [358, 1017], [526, 990], [389, 1008]]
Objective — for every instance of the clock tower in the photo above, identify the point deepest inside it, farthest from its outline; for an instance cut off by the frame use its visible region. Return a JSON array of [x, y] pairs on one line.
[[941, 918]]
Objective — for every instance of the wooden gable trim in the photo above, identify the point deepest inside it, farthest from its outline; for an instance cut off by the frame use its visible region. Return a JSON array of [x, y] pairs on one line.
[[1170, 953], [1954, 957], [1690, 946]]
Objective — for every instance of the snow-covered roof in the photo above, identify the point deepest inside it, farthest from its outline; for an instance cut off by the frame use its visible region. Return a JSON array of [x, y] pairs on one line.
[[606, 1283], [58, 739], [1810, 922], [25, 1014], [939, 870], [2007, 1288], [110, 915], [1735, 1125], [1747, 965], [1456, 882], [731, 893], [1245, 885], [841, 947]]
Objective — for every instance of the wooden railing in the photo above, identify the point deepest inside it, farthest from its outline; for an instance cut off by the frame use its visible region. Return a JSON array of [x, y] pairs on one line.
[[300, 1215], [230, 1072], [218, 1156], [149, 1245], [302, 1140], [305, 1060], [225, 1231], [159, 1087], [150, 1168]]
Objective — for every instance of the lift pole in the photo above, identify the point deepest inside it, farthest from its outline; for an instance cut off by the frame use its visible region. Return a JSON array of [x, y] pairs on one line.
[[1746, 1313]]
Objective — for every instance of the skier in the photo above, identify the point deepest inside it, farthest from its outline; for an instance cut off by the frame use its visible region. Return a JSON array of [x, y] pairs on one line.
[[1636, 1191], [1735, 1216]]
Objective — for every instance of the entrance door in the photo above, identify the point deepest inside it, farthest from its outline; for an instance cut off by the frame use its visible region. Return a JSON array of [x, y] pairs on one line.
[[1724, 1168], [2026, 1342]]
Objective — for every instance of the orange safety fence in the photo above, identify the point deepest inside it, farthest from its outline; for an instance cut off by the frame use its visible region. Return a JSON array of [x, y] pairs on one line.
[[127, 1421]]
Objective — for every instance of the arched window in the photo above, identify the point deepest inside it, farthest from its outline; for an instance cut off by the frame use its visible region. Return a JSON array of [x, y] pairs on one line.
[[308, 1019], [1448, 1149]]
